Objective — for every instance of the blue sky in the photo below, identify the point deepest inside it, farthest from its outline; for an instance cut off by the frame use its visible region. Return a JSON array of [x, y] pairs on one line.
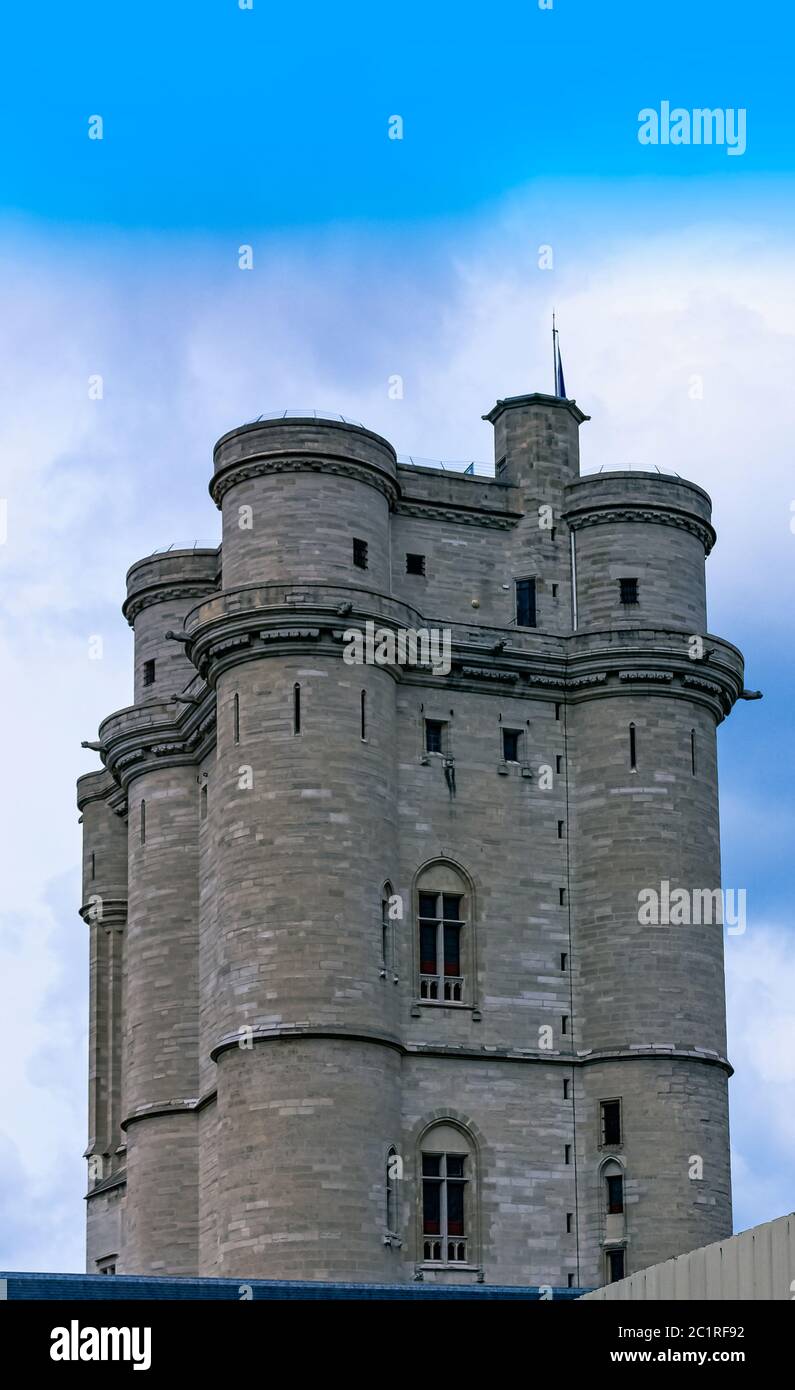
[[372, 257]]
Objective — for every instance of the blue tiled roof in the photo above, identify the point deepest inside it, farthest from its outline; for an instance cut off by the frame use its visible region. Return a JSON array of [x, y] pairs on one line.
[[133, 1286]]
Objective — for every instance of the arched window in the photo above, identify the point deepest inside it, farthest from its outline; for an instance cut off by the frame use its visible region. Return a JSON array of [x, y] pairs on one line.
[[387, 945], [444, 934], [394, 1170], [448, 1196]]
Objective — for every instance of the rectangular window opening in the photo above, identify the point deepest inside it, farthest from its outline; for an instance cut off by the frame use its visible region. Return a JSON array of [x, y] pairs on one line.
[[611, 1121], [564, 1024], [359, 553], [570, 1278], [615, 1195], [204, 801], [615, 1265], [512, 745], [435, 736], [525, 603], [93, 864], [415, 564], [567, 1153], [143, 822], [633, 750], [236, 718], [566, 1086], [557, 711], [149, 672], [558, 762], [561, 897], [629, 590], [560, 829], [296, 708], [569, 1223], [363, 716], [693, 752], [564, 960]]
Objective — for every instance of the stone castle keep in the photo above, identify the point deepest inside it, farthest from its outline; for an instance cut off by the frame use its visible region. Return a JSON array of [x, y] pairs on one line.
[[370, 999]]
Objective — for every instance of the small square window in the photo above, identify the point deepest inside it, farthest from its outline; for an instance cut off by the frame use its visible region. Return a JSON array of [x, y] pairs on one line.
[[629, 590], [360, 553], [611, 1121], [435, 736], [511, 745], [149, 672], [415, 564]]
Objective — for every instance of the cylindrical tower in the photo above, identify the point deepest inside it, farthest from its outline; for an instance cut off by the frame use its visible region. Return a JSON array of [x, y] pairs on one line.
[[104, 910], [160, 589], [652, 1117], [300, 811]]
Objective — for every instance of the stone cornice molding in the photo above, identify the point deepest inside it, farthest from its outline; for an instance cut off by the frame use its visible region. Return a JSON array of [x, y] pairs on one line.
[[596, 513], [159, 1108], [484, 1053], [459, 515], [112, 912], [262, 465], [169, 590]]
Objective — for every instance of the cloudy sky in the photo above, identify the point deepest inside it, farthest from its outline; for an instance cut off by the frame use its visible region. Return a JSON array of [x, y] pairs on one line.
[[674, 283]]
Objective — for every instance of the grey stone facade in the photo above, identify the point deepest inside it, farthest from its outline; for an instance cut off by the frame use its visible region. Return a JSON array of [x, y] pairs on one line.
[[266, 1054]]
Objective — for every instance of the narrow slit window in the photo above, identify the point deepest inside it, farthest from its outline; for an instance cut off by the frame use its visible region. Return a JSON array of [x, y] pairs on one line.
[[562, 897], [566, 1085], [296, 708], [570, 1280], [363, 715], [554, 590], [558, 762], [567, 1153], [564, 960], [557, 711], [236, 718], [525, 603], [203, 800], [143, 822], [693, 752], [359, 553], [615, 1266], [560, 829], [633, 752], [564, 1024], [569, 1222], [149, 672], [93, 864]]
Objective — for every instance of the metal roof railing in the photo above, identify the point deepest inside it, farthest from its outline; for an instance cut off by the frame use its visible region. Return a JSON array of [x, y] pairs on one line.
[[471, 468]]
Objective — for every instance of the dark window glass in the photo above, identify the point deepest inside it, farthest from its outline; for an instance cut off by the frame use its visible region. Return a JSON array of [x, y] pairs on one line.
[[629, 590], [428, 904], [615, 1195], [611, 1122], [451, 907], [415, 564], [431, 1165], [455, 1206], [149, 673], [427, 949], [455, 1165], [510, 745], [431, 1207], [434, 731], [615, 1265], [452, 949], [525, 603], [360, 554]]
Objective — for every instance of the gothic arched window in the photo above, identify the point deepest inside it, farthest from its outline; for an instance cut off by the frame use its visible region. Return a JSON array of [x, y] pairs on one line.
[[444, 934], [448, 1196]]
